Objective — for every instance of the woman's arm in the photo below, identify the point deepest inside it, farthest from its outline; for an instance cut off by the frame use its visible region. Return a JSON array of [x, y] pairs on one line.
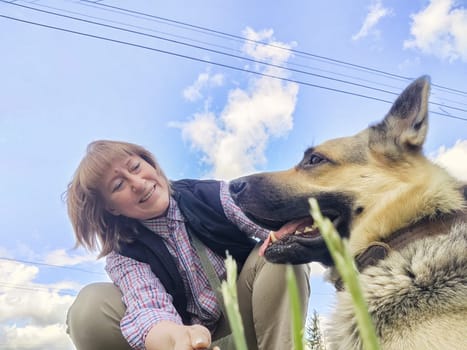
[[145, 297], [238, 217]]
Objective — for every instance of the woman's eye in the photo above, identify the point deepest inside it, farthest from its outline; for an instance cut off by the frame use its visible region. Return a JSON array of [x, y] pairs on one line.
[[117, 186], [135, 167]]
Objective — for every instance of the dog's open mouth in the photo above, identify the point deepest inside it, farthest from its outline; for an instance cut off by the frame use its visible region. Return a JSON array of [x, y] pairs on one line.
[[296, 242], [295, 239], [305, 227]]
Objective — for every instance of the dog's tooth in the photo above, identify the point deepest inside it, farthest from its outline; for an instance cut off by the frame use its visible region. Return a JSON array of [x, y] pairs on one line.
[[308, 229], [273, 237]]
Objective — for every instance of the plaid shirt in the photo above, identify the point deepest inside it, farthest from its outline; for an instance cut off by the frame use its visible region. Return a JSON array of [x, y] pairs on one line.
[[144, 295]]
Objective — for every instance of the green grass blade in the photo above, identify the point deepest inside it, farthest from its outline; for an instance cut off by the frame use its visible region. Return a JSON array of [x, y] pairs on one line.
[[229, 292], [345, 264], [294, 297]]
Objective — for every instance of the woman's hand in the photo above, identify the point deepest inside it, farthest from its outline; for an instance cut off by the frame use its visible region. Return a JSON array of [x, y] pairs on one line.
[[167, 335]]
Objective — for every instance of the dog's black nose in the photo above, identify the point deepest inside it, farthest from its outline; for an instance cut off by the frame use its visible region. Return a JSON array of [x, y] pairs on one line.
[[236, 187]]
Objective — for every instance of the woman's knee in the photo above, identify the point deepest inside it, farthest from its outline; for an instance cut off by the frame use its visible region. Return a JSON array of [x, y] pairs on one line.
[[95, 301], [95, 315]]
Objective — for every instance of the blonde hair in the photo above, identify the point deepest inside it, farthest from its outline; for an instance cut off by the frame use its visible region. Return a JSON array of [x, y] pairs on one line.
[[94, 227]]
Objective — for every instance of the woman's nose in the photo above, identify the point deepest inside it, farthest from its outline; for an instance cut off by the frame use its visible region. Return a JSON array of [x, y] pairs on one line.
[[137, 184]]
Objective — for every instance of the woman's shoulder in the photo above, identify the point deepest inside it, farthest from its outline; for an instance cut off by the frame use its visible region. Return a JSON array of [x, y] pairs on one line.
[[194, 184]]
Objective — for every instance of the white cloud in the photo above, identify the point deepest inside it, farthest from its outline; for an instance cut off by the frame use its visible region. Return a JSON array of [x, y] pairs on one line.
[[275, 52], [32, 314], [233, 143], [316, 269], [441, 30], [17, 273], [50, 337], [204, 80], [454, 159], [62, 258], [6, 253], [375, 13], [22, 298]]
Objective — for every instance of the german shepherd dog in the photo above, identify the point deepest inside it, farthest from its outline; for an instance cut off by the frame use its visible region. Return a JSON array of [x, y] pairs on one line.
[[404, 217]]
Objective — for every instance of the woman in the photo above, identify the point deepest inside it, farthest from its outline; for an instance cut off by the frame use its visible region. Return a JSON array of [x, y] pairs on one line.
[[121, 203]]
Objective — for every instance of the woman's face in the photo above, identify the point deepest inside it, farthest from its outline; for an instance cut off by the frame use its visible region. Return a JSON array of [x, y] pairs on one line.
[[133, 188]]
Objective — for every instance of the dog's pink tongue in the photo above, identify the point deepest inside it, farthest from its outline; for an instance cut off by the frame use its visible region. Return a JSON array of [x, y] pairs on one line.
[[288, 228]]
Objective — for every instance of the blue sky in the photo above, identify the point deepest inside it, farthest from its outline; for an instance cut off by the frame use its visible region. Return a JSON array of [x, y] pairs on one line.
[[201, 117]]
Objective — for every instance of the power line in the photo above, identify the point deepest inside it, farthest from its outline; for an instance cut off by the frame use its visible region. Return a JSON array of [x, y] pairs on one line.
[[450, 107], [186, 57], [230, 49], [212, 62], [207, 49], [216, 51], [240, 38], [136, 26], [36, 288], [51, 265], [207, 43], [204, 42], [237, 38], [435, 95], [224, 34], [224, 53]]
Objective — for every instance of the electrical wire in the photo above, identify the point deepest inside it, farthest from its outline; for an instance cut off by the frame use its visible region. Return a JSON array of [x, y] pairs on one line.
[[227, 54], [240, 38], [36, 289], [51, 265], [222, 53], [213, 62], [204, 49], [212, 44]]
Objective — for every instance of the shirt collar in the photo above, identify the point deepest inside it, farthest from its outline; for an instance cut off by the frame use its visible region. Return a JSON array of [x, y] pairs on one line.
[[173, 214]]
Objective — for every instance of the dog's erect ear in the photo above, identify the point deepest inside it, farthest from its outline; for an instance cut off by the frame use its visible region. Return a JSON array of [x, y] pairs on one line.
[[406, 125]]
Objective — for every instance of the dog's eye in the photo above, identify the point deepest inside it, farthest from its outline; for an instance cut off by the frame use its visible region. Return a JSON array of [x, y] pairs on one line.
[[315, 159], [312, 159]]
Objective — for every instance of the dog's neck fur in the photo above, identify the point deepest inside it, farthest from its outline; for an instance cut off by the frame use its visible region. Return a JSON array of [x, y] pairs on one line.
[[428, 226], [402, 206]]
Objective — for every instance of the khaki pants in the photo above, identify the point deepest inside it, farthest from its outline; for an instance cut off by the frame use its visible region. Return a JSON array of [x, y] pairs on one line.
[[94, 318]]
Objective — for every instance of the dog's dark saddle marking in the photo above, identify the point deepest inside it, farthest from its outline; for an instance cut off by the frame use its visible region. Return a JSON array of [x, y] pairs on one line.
[[426, 227]]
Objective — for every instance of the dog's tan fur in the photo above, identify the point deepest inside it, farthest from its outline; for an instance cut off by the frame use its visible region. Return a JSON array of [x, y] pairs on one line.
[[395, 193], [382, 177]]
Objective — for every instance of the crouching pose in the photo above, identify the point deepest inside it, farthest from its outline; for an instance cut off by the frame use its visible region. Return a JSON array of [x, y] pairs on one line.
[[165, 244]]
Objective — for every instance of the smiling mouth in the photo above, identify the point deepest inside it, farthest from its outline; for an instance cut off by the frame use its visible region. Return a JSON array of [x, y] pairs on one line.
[[148, 195]]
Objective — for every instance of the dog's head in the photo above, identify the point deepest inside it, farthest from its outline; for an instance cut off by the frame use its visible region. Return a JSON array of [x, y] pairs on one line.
[[365, 184]]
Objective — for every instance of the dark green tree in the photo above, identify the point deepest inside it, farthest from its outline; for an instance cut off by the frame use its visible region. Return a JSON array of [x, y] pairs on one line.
[[313, 336]]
